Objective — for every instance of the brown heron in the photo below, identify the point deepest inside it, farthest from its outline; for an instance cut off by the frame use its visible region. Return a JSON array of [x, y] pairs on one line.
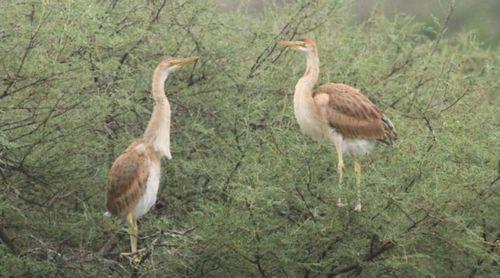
[[135, 175], [338, 113]]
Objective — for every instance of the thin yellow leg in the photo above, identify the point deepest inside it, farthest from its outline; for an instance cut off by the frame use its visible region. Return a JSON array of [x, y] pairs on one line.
[[357, 169], [340, 168], [132, 222], [134, 255]]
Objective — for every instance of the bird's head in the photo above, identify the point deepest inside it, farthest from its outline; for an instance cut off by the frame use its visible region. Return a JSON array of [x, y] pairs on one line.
[[305, 45], [173, 63]]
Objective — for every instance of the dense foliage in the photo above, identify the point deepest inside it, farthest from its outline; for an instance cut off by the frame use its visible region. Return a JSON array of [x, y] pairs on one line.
[[246, 194]]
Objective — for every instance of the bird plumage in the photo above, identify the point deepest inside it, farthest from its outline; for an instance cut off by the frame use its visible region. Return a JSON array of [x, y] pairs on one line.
[[338, 113], [129, 178], [353, 115], [134, 177]]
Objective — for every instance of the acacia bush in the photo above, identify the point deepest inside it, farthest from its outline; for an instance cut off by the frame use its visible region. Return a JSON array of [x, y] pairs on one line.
[[245, 194]]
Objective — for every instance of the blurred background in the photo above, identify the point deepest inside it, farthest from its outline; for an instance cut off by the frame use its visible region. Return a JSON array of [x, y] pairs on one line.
[[482, 16]]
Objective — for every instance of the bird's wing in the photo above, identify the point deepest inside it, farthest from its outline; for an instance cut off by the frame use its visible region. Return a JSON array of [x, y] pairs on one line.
[[353, 115], [127, 180]]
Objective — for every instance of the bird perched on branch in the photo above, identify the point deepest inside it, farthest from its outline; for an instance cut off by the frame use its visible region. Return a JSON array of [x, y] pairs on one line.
[[338, 113], [135, 175]]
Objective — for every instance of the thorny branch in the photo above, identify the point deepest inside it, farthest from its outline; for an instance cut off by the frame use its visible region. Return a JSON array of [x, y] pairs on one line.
[[423, 80], [27, 50], [289, 30]]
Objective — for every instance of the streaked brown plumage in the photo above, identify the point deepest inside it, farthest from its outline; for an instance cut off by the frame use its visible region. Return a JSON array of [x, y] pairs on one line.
[[353, 115], [338, 113], [128, 179], [134, 178]]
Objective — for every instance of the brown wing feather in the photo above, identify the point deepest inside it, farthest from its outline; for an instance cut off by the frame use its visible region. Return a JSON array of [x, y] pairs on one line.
[[127, 180], [353, 115]]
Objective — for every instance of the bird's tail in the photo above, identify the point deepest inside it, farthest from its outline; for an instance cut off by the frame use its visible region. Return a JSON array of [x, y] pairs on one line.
[[390, 135]]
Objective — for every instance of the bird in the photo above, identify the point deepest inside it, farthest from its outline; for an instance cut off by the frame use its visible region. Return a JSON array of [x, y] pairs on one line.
[[134, 177], [339, 114]]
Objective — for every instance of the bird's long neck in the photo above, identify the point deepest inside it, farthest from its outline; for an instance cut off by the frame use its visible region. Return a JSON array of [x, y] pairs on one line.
[[305, 85], [158, 131]]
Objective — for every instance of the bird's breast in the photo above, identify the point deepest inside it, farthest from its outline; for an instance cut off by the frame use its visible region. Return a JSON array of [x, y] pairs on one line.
[[308, 121], [148, 199]]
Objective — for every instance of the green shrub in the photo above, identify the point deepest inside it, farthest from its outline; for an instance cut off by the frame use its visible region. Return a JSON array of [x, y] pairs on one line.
[[246, 194]]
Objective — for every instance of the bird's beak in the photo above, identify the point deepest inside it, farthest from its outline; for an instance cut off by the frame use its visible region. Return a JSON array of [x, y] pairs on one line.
[[185, 61], [292, 44]]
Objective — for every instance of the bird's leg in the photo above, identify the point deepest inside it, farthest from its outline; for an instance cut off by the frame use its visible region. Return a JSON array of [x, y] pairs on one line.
[[132, 222], [340, 168], [133, 233], [357, 169]]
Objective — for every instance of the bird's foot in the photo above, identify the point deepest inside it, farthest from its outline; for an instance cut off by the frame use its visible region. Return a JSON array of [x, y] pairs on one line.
[[357, 207], [339, 203], [134, 257]]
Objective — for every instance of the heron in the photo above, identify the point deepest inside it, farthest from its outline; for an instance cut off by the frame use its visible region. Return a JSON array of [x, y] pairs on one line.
[[134, 177], [339, 114]]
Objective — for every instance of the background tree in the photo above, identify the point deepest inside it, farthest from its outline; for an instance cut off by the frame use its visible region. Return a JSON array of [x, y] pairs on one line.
[[246, 193]]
